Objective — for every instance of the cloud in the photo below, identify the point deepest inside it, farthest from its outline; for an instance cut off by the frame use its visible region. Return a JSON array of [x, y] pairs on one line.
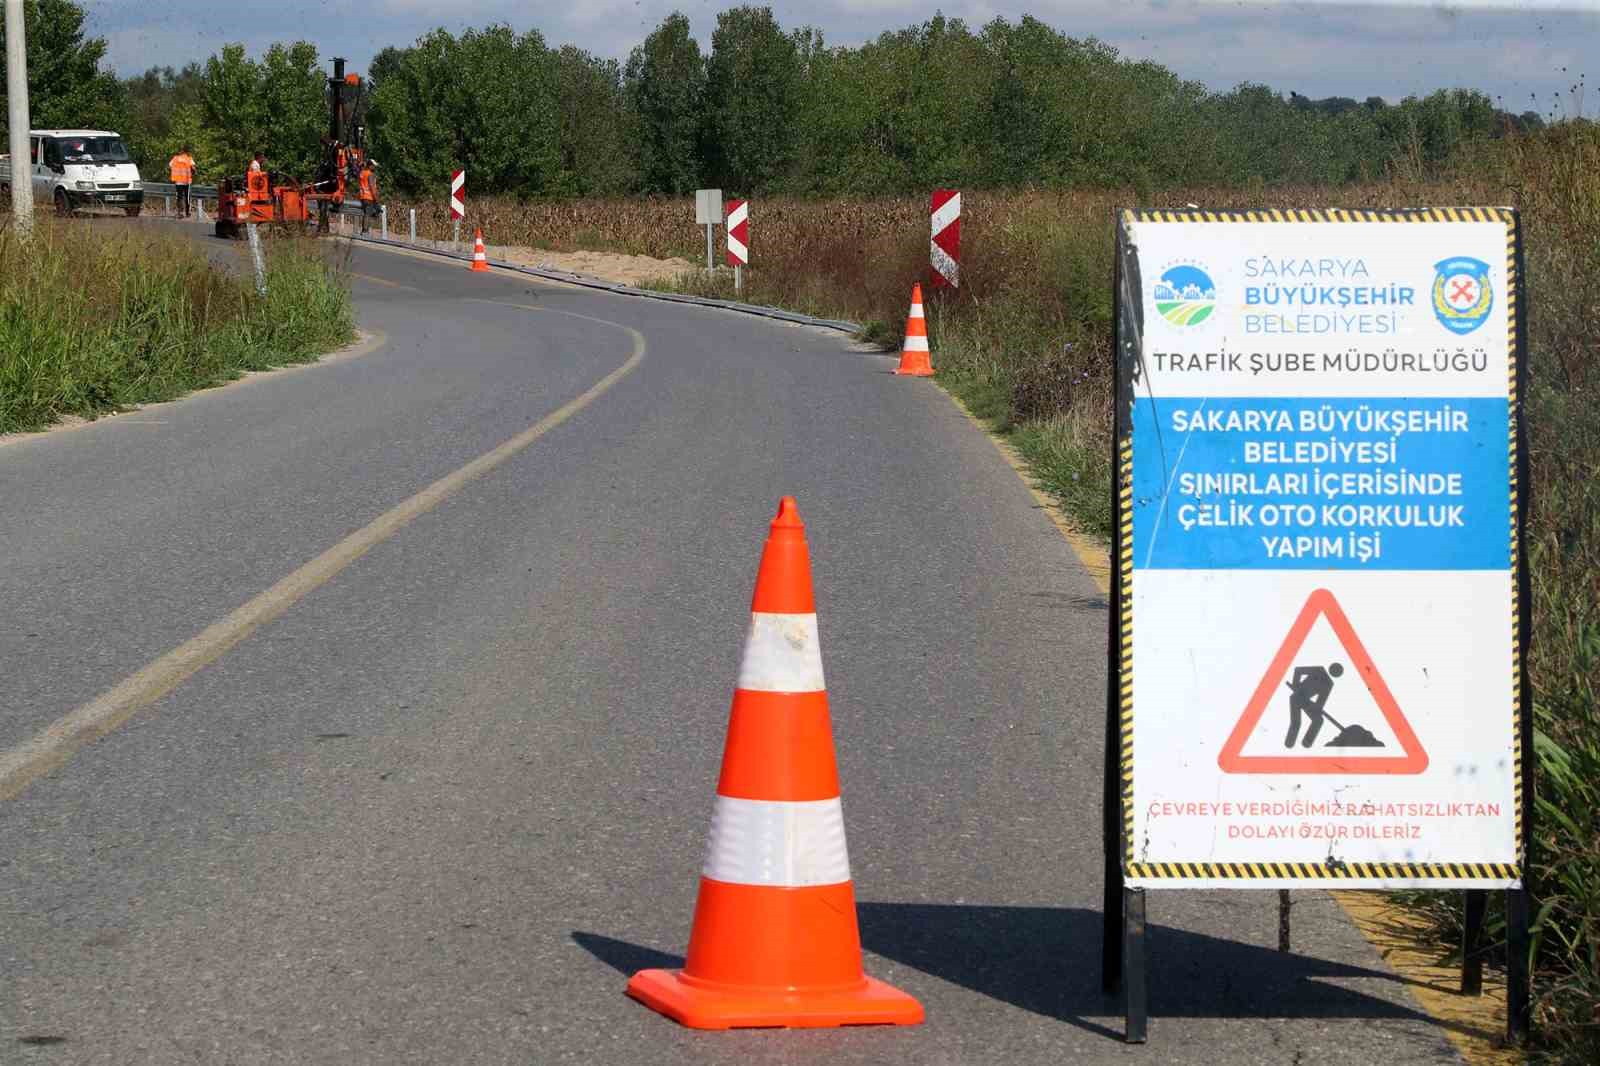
[[1357, 48]]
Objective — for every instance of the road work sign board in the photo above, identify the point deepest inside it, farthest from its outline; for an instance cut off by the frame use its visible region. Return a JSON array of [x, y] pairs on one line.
[[1319, 581]]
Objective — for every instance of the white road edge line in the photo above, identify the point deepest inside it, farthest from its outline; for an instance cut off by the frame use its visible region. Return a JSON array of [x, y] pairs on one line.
[[20, 766]]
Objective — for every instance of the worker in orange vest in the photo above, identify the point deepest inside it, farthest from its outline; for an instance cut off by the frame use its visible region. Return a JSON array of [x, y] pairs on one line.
[[259, 189], [369, 194], [182, 169]]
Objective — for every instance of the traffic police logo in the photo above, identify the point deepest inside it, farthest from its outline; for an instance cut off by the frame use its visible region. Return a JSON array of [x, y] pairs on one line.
[[1185, 295], [1462, 294]]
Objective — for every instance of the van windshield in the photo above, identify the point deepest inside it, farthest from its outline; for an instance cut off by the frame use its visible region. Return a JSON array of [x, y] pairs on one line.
[[92, 150]]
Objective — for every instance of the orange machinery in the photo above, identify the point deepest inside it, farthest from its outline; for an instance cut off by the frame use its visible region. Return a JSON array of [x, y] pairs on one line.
[[274, 199]]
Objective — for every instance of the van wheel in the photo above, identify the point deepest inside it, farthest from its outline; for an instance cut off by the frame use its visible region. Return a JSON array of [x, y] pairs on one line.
[[132, 212], [63, 208]]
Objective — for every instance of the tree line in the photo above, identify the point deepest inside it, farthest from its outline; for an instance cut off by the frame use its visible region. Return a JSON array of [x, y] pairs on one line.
[[764, 110]]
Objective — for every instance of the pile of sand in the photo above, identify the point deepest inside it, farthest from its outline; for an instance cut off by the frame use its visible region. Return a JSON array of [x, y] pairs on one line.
[[607, 266]]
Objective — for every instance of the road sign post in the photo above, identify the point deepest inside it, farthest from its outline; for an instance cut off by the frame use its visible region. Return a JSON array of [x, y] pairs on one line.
[[1316, 646], [738, 236], [707, 213]]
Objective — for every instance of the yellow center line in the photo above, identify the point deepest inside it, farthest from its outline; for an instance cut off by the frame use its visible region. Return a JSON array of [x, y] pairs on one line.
[[383, 281], [20, 766]]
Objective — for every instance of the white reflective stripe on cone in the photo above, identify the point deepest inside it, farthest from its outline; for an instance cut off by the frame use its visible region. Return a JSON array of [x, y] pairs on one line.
[[916, 311], [785, 844], [916, 344], [781, 654]]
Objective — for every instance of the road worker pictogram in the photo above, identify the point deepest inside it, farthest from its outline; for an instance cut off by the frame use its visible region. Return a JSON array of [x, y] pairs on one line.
[[1308, 692]]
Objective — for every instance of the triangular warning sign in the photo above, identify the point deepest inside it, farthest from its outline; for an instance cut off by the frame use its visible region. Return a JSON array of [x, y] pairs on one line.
[[1321, 604]]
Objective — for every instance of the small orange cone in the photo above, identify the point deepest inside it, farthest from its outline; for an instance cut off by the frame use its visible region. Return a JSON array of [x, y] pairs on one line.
[[480, 258], [914, 356], [775, 940]]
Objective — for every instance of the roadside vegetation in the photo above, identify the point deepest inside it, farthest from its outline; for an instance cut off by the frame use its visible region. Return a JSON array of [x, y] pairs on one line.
[[96, 317]]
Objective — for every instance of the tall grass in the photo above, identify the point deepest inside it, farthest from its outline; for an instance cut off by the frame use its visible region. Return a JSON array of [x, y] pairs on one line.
[[94, 318], [1025, 342]]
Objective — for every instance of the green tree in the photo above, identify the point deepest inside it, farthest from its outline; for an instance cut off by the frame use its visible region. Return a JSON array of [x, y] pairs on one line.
[[234, 108], [752, 91], [66, 87], [599, 154], [501, 124], [293, 90], [154, 100], [665, 78], [275, 105]]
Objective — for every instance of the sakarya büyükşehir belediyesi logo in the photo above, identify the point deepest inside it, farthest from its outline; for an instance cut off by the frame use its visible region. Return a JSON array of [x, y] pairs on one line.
[[1462, 294], [1185, 295]]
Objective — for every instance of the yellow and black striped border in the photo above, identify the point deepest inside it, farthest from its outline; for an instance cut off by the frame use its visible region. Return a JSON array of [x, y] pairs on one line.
[[1334, 214], [1338, 871]]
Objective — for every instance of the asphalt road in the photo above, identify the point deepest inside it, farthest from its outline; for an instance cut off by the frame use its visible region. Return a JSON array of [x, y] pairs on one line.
[[436, 805]]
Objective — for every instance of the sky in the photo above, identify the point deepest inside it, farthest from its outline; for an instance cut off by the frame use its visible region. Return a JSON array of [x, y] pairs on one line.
[[1527, 53]]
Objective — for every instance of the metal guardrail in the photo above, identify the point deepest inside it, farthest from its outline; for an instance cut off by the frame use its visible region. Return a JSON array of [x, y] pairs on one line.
[[445, 249], [439, 248], [169, 191]]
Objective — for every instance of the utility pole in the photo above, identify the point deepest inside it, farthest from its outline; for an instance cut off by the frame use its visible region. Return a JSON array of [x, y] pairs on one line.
[[17, 116]]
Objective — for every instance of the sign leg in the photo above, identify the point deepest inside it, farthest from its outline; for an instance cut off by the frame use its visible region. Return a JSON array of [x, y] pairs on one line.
[[1134, 984], [1283, 919], [1518, 1004], [1111, 927], [1472, 942]]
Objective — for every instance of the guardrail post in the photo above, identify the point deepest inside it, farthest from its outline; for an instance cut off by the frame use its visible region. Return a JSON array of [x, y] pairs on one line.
[[255, 253]]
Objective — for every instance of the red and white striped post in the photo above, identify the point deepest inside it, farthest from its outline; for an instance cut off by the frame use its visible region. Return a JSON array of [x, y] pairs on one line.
[[944, 251], [458, 203], [738, 230]]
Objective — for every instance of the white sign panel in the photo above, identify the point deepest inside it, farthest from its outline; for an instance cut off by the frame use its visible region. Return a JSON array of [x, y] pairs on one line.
[[708, 207], [1320, 660]]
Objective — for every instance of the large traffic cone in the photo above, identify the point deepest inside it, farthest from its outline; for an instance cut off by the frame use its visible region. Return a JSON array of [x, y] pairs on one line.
[[775, 941], [480, 258], [914, 356]]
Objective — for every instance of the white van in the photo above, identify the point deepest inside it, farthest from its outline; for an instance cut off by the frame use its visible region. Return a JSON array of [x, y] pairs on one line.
[[73, 169]]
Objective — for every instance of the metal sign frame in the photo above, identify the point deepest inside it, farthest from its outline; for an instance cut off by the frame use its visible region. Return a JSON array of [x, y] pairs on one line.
[[1124, 963]]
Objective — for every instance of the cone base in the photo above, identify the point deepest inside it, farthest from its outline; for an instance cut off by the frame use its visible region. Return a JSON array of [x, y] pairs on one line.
[[915, 373], [870, 1003]]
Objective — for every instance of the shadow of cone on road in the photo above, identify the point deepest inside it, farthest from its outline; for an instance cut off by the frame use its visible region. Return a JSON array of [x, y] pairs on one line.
[[775, 940], [914, 358], [1046, 960]]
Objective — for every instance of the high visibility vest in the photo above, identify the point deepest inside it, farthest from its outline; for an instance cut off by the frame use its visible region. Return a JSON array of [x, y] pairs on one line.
[[182, 168], [369, 186]]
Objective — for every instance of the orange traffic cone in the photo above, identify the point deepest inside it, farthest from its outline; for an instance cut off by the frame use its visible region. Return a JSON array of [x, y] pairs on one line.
[[775, 941], [480, 258], [914, 356]]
